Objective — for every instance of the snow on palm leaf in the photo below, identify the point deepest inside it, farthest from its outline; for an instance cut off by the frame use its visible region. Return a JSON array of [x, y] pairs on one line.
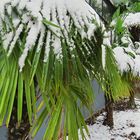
[[127, 62], [124, 60], [35, 15], [127, 58], [132, 19], [127, 50]]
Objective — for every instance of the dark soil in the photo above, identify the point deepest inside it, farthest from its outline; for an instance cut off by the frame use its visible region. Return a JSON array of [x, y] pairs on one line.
[[122, 105]]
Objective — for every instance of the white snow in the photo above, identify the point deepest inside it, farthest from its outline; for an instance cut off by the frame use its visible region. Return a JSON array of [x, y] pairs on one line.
[[7, 39], [47, 47], [18, 32], [40, 42], [15, 2], [103, 56], [137, 65], [137, 46], [125, 122], [2, 5], [124, 60], [132, 19], [22, 4], [34, 6], [57, 46], [126, 39], [106, 39], [64, 13], [30, 42]]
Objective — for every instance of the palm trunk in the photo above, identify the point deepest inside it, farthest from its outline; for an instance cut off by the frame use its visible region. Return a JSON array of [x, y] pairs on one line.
[[131, 102], [109, 113], [21, 132]]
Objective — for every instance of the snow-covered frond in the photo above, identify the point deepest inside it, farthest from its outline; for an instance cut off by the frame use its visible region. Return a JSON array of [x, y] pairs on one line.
[[47, 47], [132, 19], [7, 39], [127, 55], [2, 5], [58, 17], [137, 47], [57, 46], [30, 42], [17, 33], [126, 39], [125, 61]]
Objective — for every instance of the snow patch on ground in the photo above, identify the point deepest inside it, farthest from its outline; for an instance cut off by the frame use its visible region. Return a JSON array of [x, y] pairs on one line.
[[126, 126]]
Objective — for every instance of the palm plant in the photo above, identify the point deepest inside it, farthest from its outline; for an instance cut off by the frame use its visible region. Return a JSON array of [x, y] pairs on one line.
[[58, 46], [134, 30], [133, 26], [127, 50], [119, 33]]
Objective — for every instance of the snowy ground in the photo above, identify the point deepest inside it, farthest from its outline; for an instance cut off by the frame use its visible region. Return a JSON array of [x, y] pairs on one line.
[[126, 126]]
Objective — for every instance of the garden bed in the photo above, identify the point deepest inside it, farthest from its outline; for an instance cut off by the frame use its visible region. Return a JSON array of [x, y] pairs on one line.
[[126, 126]]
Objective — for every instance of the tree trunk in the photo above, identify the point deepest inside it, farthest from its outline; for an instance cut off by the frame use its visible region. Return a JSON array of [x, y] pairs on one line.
[[109, 113], [21, 132], [131, 102]]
